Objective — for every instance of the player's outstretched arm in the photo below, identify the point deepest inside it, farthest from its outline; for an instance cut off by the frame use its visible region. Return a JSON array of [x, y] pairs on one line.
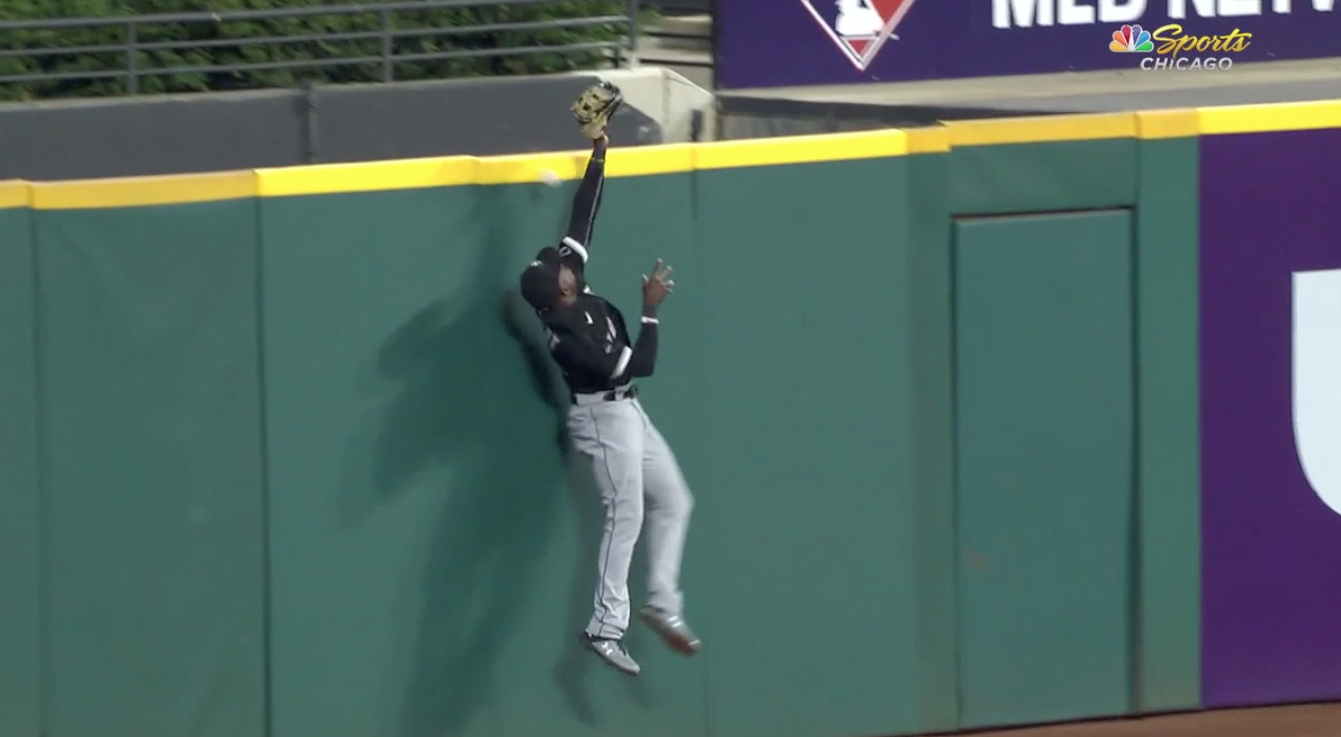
[[587, 201]]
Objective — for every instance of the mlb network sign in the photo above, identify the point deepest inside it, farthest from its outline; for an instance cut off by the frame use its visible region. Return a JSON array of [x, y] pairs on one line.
[[1030, 13], [1172, 48], [818, 42]]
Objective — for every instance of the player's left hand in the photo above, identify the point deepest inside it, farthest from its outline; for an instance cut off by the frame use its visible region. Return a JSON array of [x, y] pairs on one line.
[[657, 286]]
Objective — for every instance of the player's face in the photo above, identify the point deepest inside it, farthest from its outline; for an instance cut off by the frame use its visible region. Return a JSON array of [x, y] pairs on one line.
[[567, 284]]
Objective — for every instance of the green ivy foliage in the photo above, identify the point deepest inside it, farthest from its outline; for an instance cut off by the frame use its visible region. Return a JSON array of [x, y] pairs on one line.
[[293, 50]]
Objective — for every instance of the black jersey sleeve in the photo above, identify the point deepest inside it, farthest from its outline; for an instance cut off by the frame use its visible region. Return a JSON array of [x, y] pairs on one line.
[[586, 205], [643, 361]]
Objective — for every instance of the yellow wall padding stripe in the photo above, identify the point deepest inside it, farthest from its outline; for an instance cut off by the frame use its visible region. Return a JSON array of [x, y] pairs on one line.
[[800, 149], [1158, 124], [135, 191], [371, 176], [1290, 116], [531, 168], [13, 193], [678, 158], [459, 170], [931, 140], [644, 160], [1042, 129]]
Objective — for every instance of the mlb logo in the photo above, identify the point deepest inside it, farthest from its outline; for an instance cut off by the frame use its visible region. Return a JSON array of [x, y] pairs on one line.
[[859, 27]]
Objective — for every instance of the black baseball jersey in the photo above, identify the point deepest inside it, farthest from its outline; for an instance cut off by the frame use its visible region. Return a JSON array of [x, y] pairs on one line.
[[589, 340]]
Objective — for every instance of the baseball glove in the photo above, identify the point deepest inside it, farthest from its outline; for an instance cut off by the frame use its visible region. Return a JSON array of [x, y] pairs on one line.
[[595, 106]]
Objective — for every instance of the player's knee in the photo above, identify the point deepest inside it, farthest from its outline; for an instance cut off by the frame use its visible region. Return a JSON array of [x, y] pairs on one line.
[[681, 504], [626, 512]]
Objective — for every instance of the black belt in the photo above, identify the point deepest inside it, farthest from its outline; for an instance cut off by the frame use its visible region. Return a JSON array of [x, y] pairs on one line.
[[612, 395]]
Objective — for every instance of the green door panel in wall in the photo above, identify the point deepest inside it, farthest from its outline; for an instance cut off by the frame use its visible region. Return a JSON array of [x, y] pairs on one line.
[[20, 552], [1032, 177], [153, 520], [810, 507], [432, 567], [1045, 425]]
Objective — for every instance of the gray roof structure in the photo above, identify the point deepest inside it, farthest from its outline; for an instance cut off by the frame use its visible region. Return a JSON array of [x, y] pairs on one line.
[[799, 110]]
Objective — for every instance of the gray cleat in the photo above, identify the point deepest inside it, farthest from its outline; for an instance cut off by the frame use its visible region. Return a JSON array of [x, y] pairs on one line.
[[673, 630], [612, 652]]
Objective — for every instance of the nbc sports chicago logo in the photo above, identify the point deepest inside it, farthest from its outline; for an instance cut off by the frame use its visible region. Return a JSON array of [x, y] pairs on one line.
[[1169, 48]]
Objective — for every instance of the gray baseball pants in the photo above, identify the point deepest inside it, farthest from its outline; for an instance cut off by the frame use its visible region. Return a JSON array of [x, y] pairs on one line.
[[638, 478]]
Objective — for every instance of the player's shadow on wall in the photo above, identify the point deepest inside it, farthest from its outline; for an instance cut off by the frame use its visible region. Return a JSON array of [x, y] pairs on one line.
[[463, 428], [572, 671], [496, 522]]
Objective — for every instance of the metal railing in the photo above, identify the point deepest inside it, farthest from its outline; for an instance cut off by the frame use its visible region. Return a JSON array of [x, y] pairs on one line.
[[670, 46], [373, 51]]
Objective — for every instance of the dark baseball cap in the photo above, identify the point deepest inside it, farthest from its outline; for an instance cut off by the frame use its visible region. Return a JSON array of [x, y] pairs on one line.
[[540, 285]]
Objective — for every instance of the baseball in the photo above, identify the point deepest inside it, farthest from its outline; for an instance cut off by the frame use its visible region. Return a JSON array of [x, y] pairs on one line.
[[549, 178]]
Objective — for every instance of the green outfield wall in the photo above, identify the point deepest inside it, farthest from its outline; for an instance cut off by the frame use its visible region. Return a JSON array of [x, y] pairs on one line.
[[21, 503], [283, 451]]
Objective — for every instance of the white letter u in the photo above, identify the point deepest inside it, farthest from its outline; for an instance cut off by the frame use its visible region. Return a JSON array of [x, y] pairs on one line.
[[1317, 381]]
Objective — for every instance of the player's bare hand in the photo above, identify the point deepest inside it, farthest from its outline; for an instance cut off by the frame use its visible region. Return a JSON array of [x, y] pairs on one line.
[[657, 285]]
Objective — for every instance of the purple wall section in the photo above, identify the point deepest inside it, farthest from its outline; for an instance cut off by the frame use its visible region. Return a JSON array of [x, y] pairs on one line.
[[774, 43], [1271, 581]]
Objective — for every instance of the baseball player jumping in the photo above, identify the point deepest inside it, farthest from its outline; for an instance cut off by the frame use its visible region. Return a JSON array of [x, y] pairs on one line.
[[634, 468]]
